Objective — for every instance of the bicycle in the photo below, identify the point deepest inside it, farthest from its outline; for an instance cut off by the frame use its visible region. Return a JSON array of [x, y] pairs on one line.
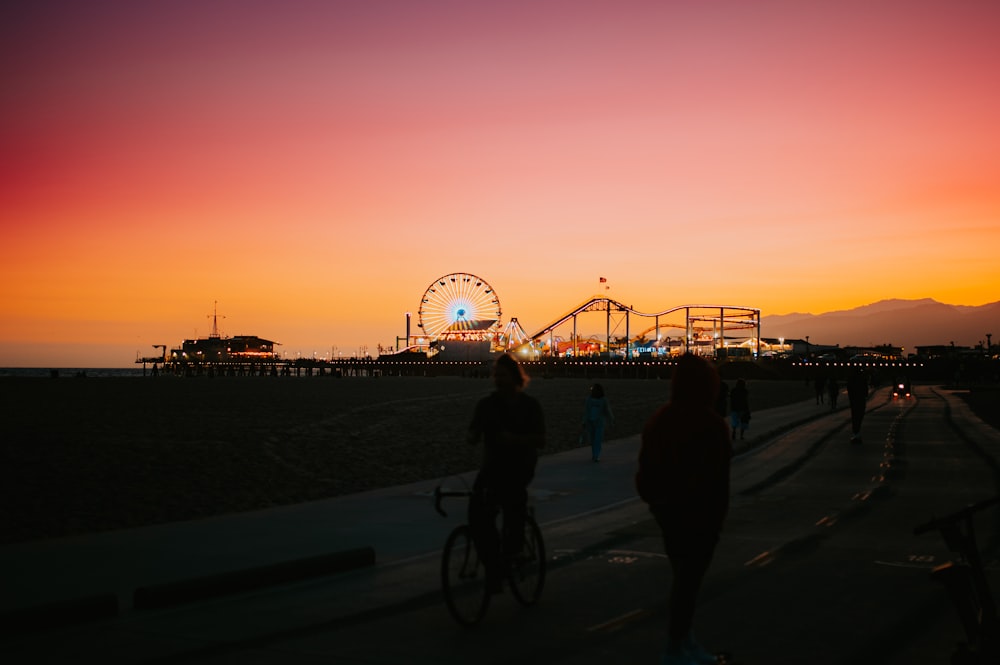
[[967, 586], [463, 575]]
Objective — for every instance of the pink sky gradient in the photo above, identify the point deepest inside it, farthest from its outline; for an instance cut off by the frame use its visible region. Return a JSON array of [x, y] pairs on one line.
[[313, 166]]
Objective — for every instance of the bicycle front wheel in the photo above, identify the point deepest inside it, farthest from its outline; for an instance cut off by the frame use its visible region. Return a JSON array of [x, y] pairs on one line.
[[463, 578], [527, 573]]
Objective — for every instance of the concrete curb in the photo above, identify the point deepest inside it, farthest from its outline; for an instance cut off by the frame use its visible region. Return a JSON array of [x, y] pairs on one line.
[[190, 590], [60, 613]]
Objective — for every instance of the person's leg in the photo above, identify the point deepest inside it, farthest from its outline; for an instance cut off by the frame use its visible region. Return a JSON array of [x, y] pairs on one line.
[[690, 556], [596, 439], [857, 415], [689, 568], [483, 524], [515, 510]]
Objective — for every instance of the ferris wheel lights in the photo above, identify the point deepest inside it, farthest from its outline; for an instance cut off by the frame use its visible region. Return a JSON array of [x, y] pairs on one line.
[[459, 304]]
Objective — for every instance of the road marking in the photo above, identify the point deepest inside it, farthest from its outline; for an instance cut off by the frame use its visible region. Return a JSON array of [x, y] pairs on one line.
[[761, 559], [618, 622], [611, 556], [903, 564]]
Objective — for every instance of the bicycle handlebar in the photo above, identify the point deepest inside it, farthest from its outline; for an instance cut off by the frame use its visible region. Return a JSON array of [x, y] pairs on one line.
[[951, 519], [442, 493]]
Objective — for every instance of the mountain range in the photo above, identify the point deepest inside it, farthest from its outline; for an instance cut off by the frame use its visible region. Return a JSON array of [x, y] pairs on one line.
[[905, 323]]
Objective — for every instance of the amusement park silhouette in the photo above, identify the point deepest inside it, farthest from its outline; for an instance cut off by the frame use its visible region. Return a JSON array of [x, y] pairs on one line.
[[462, 308]]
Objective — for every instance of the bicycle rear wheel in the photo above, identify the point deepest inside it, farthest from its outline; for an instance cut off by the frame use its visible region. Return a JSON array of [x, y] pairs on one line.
[[463, 578], [527, 573]]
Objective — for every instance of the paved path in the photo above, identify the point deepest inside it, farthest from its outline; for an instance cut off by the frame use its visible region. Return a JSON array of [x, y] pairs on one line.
[[395, 523]]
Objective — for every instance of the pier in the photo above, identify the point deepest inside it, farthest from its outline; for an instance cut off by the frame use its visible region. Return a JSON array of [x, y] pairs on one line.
[[543, 368]]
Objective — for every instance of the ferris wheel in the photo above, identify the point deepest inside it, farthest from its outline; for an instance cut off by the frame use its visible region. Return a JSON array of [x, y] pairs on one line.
[[459, 301]]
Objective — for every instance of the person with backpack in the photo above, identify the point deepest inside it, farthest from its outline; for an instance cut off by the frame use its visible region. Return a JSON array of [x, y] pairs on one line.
[[683, 475]]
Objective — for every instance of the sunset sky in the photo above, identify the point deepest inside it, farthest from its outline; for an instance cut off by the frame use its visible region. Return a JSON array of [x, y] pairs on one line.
[[314, 165]]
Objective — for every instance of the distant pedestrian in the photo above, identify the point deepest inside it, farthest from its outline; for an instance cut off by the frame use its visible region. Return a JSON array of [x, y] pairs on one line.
[[857, 396], [833, 390], [739, 408], [684, 477], [597, 415], [820, 386]]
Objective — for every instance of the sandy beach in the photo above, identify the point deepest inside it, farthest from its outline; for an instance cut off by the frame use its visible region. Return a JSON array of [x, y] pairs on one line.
[[88, 454]]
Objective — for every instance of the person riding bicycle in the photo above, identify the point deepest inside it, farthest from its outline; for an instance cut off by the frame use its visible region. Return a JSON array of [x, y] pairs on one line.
[[512, 426]]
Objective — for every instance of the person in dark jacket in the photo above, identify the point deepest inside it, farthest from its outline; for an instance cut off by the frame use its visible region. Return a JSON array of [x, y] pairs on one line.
[[683, 475]]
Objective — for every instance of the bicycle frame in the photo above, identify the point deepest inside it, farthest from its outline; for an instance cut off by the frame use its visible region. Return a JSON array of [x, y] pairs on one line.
[[966, 580], [440, 494]]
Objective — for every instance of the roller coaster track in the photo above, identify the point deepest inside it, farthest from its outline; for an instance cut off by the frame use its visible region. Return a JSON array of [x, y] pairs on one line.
[[697, 318]]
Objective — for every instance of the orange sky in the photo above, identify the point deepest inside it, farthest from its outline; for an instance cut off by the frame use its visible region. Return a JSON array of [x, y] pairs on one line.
[[313, 166]]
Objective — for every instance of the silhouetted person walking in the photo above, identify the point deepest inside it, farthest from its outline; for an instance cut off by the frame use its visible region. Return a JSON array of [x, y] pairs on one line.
[[512, 427], [684, 477], [739, 408], [857, 396], [820, 386], [596, 415], [833, 389]]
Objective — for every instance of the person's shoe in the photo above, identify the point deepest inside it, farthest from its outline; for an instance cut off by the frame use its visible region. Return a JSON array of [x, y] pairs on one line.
[[676, 657], [697, 653]]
